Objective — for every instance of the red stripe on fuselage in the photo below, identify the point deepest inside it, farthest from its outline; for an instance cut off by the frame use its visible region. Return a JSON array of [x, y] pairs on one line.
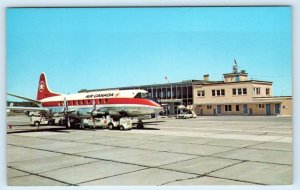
[[102, 101]]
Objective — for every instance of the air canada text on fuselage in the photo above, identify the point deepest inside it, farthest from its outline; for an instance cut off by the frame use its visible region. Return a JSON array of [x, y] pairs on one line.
[[99, 95]]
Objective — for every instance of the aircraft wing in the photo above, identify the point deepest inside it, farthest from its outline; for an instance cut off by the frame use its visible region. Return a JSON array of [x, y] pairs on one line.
[[26, 108], [112, 111]]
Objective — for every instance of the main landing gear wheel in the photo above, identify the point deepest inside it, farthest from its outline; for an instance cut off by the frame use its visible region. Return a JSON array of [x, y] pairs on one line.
[[140, 125], [110, 126]]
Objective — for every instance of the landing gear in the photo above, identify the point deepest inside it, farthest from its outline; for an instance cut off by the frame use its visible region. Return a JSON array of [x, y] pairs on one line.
[[61, 122], [140, 124], [51, 122]]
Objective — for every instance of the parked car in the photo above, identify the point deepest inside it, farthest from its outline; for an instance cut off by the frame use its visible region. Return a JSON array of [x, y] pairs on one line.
[[186, 113]]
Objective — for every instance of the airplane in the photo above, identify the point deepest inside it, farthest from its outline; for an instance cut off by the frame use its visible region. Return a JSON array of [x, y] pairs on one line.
[[115, 103]]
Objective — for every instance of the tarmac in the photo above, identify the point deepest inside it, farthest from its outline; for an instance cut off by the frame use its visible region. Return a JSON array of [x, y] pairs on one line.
[[208, 150]]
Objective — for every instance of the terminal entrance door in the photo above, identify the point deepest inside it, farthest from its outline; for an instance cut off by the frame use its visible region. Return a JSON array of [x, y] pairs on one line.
[[268, 109], [245, 108], [218, 109], [277, 109]]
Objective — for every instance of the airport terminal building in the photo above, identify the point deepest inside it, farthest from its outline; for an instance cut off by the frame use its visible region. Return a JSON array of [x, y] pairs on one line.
[[234, 95]]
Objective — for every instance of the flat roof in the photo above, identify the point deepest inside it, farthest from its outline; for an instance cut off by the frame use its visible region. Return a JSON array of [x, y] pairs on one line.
[[235, 73], [185, 82]]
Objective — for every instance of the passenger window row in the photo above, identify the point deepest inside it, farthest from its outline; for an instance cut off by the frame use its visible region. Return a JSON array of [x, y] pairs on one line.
[[85, 102]]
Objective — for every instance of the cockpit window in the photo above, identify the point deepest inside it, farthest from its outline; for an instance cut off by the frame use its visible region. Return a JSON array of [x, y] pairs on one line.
[[138, 95], [141, 95]]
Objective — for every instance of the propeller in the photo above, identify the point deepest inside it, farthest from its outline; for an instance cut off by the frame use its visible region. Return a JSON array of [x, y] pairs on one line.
[[94, 105], [94, 109], [66, 112], [94, 112]]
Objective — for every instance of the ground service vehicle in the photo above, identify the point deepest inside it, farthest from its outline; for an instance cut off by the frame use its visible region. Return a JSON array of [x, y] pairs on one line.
[[33, 113], [37, 120], [110, 123]]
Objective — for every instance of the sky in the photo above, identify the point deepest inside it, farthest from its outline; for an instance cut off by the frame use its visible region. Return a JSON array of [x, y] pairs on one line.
[[91, 48]]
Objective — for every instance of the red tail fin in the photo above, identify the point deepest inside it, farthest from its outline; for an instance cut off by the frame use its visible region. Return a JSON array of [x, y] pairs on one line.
[[43, 90]]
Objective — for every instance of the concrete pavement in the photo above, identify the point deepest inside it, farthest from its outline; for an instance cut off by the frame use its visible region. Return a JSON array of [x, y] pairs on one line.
[[221, 150]]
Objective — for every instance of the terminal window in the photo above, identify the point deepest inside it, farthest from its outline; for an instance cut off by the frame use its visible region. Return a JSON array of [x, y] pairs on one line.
[[178, 93], [239, 91], [220, 92], [223, 92], [201, 93], [256, 90], [234, 91], [227, 107]]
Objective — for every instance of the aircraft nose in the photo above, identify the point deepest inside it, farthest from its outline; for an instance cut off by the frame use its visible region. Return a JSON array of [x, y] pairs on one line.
[[155, 105], [158, 109]]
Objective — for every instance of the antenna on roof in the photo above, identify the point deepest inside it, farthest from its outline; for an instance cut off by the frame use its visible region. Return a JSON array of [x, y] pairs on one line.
[[166, 78], [235, 67]]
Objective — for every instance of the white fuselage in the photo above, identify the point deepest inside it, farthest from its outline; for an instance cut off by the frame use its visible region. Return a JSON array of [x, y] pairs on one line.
[[115, 101]]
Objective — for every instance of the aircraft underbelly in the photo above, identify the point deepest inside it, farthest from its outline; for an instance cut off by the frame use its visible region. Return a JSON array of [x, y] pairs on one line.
[[113, 110]]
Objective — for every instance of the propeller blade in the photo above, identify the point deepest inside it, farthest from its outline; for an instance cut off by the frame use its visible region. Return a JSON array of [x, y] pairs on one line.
[[93, 111], [67, 111], [94, 105], [68, 121], [94, 124], [65, 103]]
